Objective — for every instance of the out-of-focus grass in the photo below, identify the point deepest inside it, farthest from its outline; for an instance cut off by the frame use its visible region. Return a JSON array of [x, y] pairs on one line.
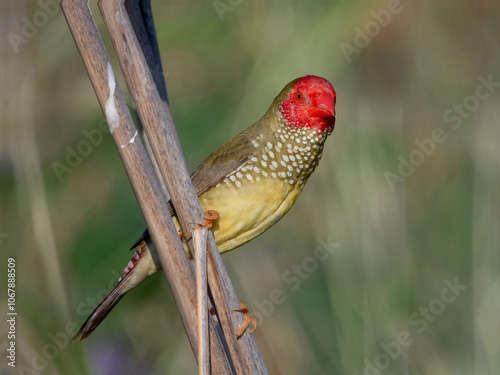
[[396, 249]]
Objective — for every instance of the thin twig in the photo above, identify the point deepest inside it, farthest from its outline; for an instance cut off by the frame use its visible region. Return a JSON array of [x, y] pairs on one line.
[[200, 254], [141, 18]]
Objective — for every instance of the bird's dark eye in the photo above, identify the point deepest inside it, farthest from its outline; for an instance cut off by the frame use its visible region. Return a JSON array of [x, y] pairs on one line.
[[298, 96]]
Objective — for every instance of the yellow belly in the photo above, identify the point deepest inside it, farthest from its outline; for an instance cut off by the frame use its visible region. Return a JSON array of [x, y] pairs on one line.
[[248, 210]]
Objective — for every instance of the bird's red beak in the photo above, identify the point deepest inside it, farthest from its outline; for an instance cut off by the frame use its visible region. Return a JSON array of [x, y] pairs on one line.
[[323, 106]]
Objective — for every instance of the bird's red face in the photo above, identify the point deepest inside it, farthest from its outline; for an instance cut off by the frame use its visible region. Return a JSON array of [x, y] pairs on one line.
[[310, 104]]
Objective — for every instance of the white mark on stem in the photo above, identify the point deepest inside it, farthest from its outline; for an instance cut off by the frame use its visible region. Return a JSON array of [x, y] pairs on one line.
[[132, 140], [110, 107]]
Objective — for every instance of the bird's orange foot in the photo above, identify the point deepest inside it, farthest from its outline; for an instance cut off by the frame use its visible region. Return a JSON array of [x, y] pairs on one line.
[[248, 320], [185, 237], [210, 216]]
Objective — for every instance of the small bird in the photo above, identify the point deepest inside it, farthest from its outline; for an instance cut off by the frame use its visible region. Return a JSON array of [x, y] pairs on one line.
[[252, 181]]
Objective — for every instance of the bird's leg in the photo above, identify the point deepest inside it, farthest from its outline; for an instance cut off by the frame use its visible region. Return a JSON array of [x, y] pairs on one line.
[[210, 216], [248, 319]]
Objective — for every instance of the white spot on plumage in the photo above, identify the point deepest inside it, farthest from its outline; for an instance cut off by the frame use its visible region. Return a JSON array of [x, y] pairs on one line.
[[274, 164], [285, 158], [269, 145], [130, 265], [237, 183], [274, 174], [263, 163], [271, 154], [256, 169], [232, 178], [249, 176], [254, 159], [239, 175]]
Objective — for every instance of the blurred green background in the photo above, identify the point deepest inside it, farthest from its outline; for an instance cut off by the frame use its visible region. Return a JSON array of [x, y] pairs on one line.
[[411, 284]]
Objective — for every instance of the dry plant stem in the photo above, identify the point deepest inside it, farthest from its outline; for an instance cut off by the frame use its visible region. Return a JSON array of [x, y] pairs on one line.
[[159, 125], [140, 172], [141, 18], [200, 245]]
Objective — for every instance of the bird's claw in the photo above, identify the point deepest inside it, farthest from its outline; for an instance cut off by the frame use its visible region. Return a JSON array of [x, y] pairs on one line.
[[185, 237], [248, 320], [210, 216]]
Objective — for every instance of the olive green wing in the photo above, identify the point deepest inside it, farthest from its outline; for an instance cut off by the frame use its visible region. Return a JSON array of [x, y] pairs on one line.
[[225, 161]]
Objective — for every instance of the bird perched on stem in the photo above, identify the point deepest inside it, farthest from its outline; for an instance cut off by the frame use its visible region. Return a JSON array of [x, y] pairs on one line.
[[252, 181]]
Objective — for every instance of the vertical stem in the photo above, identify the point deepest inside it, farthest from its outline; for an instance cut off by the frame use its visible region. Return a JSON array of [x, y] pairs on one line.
[[200, 245]]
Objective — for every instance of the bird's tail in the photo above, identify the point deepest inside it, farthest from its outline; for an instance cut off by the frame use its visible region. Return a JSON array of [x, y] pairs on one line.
[[143, 264]]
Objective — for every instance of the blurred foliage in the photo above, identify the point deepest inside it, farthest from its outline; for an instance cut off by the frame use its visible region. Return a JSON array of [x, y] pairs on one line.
[[400, 244]]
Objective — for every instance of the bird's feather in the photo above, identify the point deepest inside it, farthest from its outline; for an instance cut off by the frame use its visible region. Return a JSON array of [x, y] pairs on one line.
[[225, 161]]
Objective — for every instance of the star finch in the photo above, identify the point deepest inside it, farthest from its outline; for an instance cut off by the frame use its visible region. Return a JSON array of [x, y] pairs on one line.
[[252, 181]]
